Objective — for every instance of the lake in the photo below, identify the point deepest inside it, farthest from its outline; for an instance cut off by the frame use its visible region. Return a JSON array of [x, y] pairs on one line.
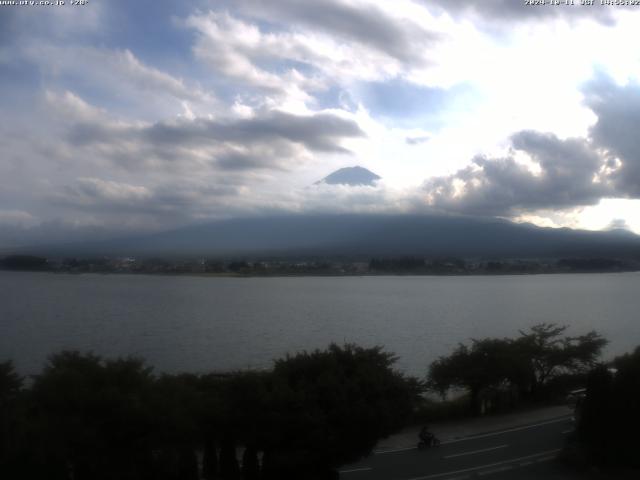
[[199, 324]]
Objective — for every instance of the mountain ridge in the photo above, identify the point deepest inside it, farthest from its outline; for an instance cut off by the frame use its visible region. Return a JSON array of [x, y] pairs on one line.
[[361, 236]]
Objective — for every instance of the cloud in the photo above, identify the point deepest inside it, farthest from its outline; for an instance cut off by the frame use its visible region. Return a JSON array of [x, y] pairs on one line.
[[236, 49], [417, 140], [7, 26], [616, 130], [560, 174], [192, 111], [16, 218], [319, 132], [618, 224], [50, 232], [265, 140], [57, 23], [94, 191], [97, 169], [116, 74], [167, 203], [367, 23], [295, 51]]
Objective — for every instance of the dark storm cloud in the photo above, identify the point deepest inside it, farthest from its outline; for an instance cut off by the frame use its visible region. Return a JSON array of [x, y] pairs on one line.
[[368, 25], [269, 140], [502, 186], [189, 195], [238, 161], [515, 10], [618, 111], [319, 132], [573, 172]]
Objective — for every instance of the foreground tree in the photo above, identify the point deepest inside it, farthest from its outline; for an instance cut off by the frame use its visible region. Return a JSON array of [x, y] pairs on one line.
[[548, 353], [89, 419], [330, 407], [176, 406], [86, 418], [485, 364], [10, 413], [524, 364], [610, 419]]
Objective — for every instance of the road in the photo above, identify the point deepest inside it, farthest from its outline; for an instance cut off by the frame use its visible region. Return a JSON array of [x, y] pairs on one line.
[[489, 455]]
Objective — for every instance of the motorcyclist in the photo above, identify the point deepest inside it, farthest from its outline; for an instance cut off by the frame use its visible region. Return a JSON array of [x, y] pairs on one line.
[[426, 436]]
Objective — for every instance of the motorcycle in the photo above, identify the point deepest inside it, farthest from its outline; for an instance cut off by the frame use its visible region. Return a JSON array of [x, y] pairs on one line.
[[430, 442]]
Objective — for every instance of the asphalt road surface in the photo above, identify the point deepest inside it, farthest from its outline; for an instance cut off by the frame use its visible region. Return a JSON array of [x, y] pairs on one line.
[[513, 453]]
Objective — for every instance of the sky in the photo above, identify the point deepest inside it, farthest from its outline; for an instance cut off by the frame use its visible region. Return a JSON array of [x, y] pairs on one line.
[[119, 117]]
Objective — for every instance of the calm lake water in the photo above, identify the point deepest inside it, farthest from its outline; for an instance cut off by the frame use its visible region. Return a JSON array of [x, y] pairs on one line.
[[200, 324]]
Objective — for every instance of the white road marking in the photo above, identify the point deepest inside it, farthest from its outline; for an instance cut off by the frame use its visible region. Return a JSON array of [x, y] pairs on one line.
[[567, 431], [496, 470], [362, 469], [545, 459], [404, 449], [476, 451], [490, 465], [509, 430]]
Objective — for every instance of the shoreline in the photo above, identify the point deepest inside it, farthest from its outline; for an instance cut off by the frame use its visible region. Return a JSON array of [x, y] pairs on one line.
[[322, 275]]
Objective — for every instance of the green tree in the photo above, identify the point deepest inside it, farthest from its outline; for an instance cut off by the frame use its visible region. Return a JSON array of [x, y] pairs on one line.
[[10, 384], [176, 406], [330, 407], [24, 262], [212, 418], [487, 363], [595, 424], [526, 363], [626, 408], [548, 353], [10, 417], [87, 418], [610, 418], [90, 418]]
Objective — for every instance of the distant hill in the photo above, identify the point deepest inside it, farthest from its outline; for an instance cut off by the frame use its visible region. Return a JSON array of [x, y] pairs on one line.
[[353, 176], [362, 236]]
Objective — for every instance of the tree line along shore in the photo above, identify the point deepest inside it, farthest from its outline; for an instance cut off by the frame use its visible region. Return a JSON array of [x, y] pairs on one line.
[[404, 265]]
